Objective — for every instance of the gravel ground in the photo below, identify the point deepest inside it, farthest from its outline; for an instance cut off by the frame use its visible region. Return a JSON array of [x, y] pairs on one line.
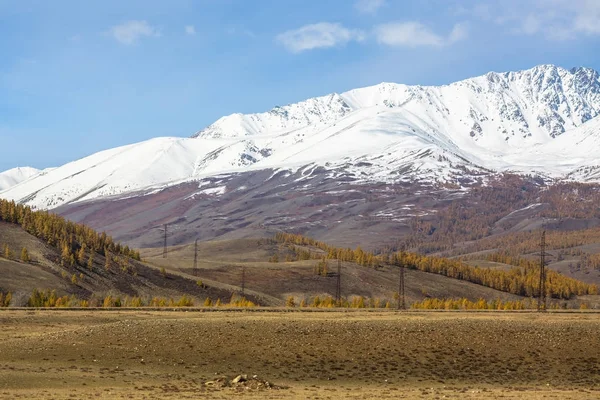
[[142, 354]]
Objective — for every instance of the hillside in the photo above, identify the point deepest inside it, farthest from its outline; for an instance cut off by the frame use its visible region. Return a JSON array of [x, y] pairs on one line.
[[74, 268], [44, 252], [274, 269]]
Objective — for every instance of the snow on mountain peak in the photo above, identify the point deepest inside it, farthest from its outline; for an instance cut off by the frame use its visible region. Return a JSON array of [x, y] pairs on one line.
[[15, 176], [318, 110], [544, 120], [539, 103]]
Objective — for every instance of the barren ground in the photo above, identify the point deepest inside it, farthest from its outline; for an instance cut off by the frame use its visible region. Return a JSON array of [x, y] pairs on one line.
[[327, 355]]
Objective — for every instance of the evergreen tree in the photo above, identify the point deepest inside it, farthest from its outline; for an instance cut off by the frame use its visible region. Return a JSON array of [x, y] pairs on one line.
[[290, 302], [81, 255], [25, 255], [7, 252]]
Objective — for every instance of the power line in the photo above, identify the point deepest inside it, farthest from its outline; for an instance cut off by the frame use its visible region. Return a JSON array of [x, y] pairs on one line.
[[195, 269], [243, 280], [165, 243], [338, 289], [164, 229], [401, 289], [542, 285], [401, 295]]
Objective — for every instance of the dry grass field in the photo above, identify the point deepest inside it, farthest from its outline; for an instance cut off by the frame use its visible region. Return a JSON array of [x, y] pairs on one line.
[[54, 354]]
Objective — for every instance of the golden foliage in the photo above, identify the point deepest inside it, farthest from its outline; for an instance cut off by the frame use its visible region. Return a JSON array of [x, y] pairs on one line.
[[5, 299], [520, 280], [66, 236]]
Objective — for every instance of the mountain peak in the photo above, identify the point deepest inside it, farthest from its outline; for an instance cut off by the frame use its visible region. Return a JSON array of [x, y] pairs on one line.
[[15, 176], [525, 121]]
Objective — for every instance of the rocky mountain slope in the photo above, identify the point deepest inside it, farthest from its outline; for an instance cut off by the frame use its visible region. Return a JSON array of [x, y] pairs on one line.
[[542, 121]]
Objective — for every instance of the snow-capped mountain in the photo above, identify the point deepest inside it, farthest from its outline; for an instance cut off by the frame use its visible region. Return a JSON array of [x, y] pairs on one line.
[[537, 103], [541, 121], [16, 175]]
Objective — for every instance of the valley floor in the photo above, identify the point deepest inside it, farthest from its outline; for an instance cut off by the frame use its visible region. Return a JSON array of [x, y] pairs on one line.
[[55, 354]]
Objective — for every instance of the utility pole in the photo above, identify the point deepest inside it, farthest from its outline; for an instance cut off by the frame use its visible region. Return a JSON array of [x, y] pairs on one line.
[[338, 288], [243, 280], [542, 286], [164, 230], [195, 270], [401, 296], [165, 242]]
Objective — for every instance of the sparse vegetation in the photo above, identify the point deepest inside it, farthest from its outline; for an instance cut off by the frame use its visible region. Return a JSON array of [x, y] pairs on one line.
[[290, 302], [5, 299], [473, 218], [66, 236], [7, 252], [520, 280], [423, 355], [483, 304], [237, 301], [466, 304], [49, 298], [25, 255], [321, 267]]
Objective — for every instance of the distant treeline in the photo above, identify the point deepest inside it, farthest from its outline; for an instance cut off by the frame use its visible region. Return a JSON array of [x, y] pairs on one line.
[[564, 244], [519, 243], [50, 299], [483, 209], [76, 243], [520, 280], [483, 304]]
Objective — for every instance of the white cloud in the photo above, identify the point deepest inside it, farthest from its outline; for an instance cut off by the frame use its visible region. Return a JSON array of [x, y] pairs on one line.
[[459, 32], [415, 34], [369, 6], [530, 25], [190, 30], [321, 35], [554, 19], [587, 17], [129, 32]]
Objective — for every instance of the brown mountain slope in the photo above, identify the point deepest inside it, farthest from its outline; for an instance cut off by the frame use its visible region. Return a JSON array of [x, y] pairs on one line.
[[45, 272], [223, 261]]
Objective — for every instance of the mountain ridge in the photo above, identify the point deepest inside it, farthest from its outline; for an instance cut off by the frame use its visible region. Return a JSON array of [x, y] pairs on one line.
[[14, 176], [523, 122], [395, 95]]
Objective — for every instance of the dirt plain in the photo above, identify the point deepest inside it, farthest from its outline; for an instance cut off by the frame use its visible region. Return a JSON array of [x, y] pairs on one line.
[[55, 354]]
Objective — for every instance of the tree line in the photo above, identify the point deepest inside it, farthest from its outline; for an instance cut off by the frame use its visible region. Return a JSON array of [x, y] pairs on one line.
[[483, 304], [50, 299], [521, 279], [484, 208], [76, 243]]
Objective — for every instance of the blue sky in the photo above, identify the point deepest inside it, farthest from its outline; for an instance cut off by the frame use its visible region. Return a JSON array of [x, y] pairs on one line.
[[77, 77]]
